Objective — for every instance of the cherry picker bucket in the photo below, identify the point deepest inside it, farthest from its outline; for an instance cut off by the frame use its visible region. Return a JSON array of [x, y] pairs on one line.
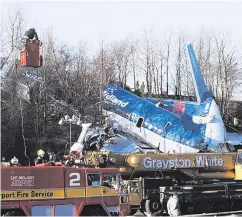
[[30, 54]]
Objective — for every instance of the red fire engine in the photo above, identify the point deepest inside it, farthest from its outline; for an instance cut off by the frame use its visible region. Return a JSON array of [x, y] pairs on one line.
[[68, 191]]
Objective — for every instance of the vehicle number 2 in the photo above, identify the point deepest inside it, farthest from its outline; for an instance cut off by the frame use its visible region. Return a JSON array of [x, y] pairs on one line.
[[74, 179]]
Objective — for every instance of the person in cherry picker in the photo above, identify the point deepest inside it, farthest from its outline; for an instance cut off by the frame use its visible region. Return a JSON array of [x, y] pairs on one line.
[[30, 50], [31, 34]]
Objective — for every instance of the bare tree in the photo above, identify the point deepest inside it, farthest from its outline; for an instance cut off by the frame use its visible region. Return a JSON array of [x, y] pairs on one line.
[[160, 70], [228, 74], [179, 67], [146, 56], [12, 31], [12, 120], [134, 57], [167, 58], [122, 54]]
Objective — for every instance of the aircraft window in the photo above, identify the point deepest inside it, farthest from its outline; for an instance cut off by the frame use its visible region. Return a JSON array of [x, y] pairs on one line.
[[41, 210], [93, 179], [132, 117], [140, 122], [64, 210]]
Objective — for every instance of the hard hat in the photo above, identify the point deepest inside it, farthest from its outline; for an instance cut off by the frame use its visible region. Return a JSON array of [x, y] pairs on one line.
[[40, 153], [175, 194], [14, 160]]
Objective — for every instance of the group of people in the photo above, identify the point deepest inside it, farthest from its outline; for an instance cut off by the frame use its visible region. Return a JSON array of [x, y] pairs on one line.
[[45, 157], [13, 162], [42, 157], [51, 158]]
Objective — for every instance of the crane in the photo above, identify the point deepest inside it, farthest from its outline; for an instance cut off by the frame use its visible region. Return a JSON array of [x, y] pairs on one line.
[[27, 53]]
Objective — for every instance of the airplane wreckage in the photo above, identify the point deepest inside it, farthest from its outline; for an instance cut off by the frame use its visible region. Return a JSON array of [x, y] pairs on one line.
[[154, 125], [134, 127]]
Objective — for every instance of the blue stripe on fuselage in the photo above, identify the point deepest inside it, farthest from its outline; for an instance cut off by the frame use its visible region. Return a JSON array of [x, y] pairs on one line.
[[190, 108], [181, 130]]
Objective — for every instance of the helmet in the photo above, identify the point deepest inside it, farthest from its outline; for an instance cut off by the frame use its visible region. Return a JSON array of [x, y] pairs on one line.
[[40, 153], [14, 160], [175, 194]]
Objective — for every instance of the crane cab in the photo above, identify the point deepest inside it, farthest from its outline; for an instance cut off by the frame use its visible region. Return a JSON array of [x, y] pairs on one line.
[[238, 165], [30, 54]]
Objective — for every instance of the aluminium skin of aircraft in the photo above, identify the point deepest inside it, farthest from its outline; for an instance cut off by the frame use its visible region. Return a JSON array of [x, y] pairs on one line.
[[170, 126]]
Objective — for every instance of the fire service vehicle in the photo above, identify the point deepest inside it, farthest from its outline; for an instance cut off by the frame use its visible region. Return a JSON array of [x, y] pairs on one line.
[[58, 190]]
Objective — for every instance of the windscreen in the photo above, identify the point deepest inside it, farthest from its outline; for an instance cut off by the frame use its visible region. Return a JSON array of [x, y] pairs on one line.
[[239, 157]]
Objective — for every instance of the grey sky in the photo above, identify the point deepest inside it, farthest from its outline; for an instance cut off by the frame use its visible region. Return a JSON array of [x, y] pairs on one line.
[[75, 21]]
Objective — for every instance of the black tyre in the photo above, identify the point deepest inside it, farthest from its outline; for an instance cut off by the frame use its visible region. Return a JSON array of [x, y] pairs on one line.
[[219, 207], [153, 206]]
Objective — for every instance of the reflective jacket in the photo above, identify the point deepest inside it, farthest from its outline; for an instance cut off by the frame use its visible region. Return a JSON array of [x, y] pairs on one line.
[[173, 207]]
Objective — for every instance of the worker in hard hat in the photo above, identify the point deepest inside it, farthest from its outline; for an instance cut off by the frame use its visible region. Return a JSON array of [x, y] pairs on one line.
[[108, 127], [173, 206], [14, 162], [51, 155], [236, 122], [40, 157], [4, 163], [31, 34]]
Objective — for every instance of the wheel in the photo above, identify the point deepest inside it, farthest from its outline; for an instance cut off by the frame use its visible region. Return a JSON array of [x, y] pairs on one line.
[[219, 207], [153, 206]]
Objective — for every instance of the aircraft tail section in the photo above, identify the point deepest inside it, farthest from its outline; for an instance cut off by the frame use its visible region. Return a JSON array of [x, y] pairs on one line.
[[169, 124], [202, 91]]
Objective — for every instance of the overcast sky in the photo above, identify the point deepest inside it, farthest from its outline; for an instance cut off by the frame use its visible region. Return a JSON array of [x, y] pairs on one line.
[[78, 20]]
